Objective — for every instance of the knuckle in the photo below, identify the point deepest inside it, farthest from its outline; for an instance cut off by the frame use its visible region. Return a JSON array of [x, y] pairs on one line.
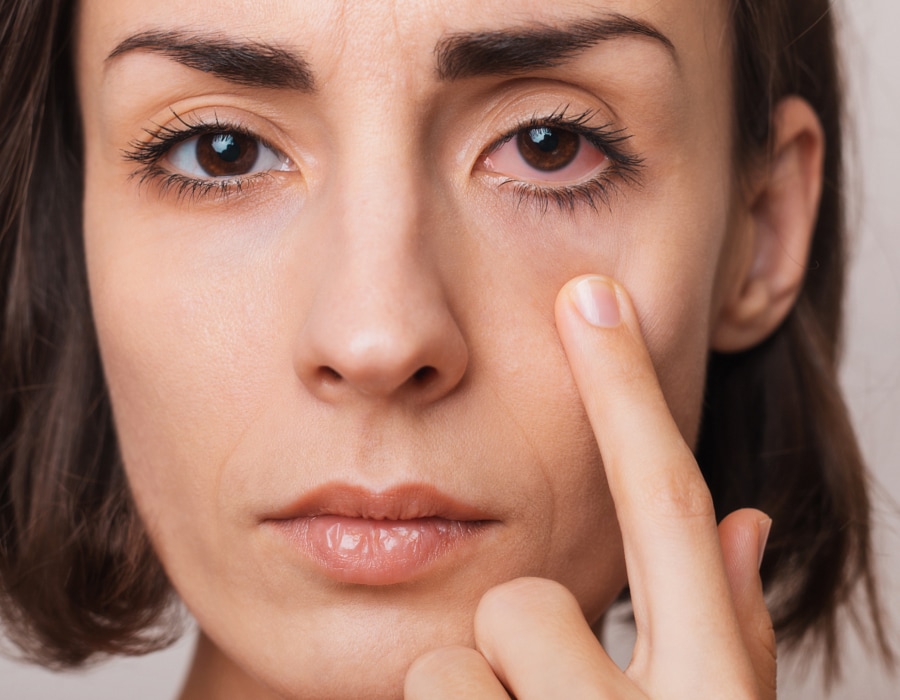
[[679, 493]]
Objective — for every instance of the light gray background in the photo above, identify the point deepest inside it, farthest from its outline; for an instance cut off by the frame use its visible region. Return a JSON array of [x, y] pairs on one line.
[[871, 377]]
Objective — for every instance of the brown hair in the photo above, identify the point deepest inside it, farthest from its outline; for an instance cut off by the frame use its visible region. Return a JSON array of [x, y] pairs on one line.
[[78, 576], [776, 433]]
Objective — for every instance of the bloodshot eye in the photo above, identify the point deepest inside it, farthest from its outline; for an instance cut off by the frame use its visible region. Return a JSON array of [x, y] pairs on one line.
[[545, 154], [548, 149], [225, 154]]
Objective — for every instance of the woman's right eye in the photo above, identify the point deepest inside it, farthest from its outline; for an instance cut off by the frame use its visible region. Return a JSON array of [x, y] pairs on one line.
[[226, 155]]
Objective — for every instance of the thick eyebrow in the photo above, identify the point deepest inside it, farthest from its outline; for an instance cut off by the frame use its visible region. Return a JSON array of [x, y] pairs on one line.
[[250, 63], [519, 50]]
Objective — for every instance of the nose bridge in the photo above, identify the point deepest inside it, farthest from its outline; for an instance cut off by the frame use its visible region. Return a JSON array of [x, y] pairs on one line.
[[378, 209], [380, 197], [381, 323]]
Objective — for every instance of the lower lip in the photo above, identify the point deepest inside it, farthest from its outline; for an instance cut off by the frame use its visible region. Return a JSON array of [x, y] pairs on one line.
[[377, 552]]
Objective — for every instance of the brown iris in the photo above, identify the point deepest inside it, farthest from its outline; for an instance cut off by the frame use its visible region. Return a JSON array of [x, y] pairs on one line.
[[226, 154], [548, 149]]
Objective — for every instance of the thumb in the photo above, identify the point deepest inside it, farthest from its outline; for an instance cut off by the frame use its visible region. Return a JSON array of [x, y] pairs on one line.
[[743, 536]]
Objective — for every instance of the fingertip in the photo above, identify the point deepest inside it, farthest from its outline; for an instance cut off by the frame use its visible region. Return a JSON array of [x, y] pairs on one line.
[[517, 598], [511, 610], [744, 534], [596, 299]]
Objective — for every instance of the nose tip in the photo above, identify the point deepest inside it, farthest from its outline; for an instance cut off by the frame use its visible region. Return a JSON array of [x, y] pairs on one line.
[[416, 354]]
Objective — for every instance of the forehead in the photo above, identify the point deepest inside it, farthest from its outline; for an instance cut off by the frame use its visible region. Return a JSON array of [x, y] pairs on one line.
[[399, 40]]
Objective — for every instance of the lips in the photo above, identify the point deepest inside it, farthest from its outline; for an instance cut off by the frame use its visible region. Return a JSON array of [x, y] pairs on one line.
[[354, 535]]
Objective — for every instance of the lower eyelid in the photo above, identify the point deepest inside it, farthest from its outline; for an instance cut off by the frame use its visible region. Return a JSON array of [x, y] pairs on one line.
[[593, 193], [183, 187]]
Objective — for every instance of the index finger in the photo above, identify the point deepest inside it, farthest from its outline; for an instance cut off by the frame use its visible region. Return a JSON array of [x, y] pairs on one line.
[[678, 584]]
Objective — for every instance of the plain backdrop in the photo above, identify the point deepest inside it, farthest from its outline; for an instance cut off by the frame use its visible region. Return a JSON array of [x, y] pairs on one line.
[[871, 377]]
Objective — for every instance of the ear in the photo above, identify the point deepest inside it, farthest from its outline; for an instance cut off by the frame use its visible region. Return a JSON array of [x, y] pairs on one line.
[[776, 224]]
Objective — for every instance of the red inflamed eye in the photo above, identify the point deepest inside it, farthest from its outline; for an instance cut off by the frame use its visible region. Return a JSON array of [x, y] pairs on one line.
[[545, 154]]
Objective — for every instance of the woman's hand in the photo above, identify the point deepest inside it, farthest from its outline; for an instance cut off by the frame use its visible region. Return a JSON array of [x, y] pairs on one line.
[[703, 630]]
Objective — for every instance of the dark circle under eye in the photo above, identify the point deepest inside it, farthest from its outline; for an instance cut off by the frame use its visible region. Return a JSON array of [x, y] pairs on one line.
[[226, 154], [548, 149]]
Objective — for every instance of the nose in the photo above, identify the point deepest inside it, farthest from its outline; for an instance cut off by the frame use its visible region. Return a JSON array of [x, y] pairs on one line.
[[381, 323]]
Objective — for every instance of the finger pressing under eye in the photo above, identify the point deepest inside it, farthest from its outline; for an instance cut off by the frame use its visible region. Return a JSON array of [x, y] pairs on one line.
[[450, 673], [680, 593], [534, 635]]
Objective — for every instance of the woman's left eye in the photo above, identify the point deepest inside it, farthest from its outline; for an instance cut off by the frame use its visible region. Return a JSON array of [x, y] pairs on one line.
[[225, 155], [545, 154]]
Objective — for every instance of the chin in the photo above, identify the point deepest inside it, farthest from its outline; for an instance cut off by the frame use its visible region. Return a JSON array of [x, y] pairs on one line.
[[359, 645]]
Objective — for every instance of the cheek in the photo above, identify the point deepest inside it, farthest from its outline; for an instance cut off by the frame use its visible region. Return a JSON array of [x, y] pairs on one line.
[[664, 247], [674, 298], [180, 332]]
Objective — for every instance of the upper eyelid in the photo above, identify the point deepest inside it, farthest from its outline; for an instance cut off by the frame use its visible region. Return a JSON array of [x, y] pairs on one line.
[[578, 123]]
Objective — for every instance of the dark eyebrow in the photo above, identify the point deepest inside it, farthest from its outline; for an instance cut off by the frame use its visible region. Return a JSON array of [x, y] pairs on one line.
[[511, 51], [250, 63]]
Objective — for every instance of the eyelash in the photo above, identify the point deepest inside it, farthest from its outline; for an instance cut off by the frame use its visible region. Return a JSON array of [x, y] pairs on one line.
[[148, 154], [623, 165]]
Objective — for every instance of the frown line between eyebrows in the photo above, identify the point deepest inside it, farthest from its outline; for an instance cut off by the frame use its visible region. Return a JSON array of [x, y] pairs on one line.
[[536, 47], [249, 63]]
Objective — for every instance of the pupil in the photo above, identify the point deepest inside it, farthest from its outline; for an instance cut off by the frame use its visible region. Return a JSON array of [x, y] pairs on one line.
[[548, 149], [227, 154], [226, 148], [545, 139]]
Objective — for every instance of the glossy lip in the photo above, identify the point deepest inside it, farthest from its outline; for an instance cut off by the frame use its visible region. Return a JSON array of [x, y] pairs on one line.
[[355, 535], [403, 502]]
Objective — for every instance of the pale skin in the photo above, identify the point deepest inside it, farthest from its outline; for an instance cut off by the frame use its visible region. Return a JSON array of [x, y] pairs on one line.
[[378, 308]]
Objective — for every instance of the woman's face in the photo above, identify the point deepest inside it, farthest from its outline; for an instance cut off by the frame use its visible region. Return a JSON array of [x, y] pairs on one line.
[[324, 241]]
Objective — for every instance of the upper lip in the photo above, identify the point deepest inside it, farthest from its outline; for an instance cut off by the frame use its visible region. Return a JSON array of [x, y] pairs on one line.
[[402, 502]]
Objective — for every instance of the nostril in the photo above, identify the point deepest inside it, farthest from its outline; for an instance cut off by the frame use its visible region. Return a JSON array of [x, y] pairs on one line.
[[329, 374], [376, 382], [424, 375]]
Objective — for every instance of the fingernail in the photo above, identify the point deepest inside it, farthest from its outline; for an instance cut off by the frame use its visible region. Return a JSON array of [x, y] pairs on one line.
[[595, 299], [765, 527]]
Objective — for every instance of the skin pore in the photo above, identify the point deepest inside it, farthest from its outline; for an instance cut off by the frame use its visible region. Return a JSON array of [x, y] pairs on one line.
[[371, 304]]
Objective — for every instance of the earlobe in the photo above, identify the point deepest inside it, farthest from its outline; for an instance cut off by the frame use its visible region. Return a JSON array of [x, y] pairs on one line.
[[779, 219]]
